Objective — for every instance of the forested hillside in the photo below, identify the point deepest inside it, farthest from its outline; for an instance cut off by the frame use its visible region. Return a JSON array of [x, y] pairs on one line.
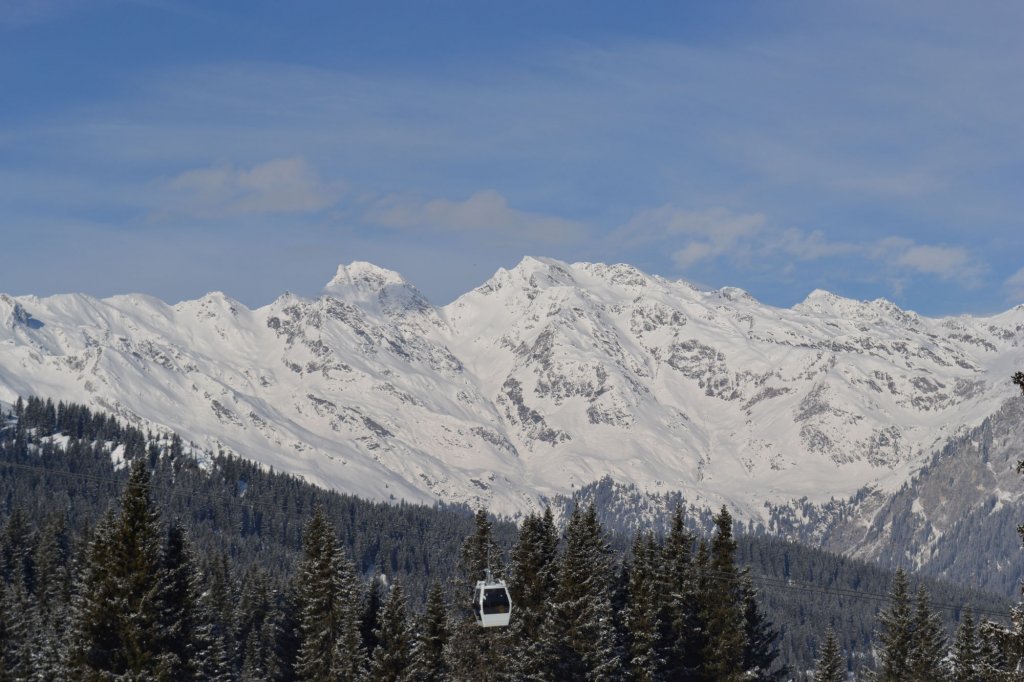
[[232, 554]]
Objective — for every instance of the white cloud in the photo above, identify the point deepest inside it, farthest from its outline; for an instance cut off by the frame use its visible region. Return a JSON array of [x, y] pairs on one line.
[[288, 185], [954, 263], [811, 245], [485, 211], [944, 261], [1014, 286], [709, 234]]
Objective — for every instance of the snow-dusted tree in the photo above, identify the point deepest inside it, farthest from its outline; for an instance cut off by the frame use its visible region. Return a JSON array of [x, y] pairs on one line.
[[216, 645], [117, 613], [532, 575], [683, 632], [428, 663], [895, 634], [760, 637], [641, 614], [966, 652], [327, 607], [178, 594], [830, 666], [392, 659], [722, 605], [578, 640], [928, 642]]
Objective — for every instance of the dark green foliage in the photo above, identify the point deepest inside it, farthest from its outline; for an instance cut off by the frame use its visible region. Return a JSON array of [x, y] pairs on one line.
[[641, 614], [117, 612], [896, 634], [178, 595], [831, 666], [369, 619], [928, 643], [684, 635], [532, 574], [760, 648], [428, 662], [473, 652], [966, 652], [392, 657], [721, 605], [578, 639], [328, 604], [577, 614]]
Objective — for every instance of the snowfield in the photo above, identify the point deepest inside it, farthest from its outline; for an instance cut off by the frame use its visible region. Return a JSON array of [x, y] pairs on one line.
[[543, 379]]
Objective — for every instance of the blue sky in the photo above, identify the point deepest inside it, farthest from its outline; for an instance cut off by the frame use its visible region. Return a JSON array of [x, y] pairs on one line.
[[874, 149]]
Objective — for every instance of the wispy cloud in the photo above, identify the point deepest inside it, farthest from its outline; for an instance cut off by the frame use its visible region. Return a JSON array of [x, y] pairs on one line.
[[749, 239], [484, 212], [287, 185], [707, 235], [1014, 286]]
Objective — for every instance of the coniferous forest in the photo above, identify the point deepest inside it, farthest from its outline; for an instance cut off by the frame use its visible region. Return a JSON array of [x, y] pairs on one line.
[[158, 564]]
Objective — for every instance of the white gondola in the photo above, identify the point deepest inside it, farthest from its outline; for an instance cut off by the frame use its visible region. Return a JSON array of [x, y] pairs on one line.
[[492, 603]]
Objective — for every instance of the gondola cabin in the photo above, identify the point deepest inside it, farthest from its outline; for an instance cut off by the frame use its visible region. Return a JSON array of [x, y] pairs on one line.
[[491, 603]]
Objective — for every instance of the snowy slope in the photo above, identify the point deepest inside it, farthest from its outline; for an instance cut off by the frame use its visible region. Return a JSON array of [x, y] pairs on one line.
[[545, 378]]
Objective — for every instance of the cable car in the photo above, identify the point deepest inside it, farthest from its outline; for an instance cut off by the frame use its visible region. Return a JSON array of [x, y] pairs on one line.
[[491, 602]]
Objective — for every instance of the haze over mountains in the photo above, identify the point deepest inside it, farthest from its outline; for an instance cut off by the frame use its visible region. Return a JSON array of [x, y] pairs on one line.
[[545, 378]]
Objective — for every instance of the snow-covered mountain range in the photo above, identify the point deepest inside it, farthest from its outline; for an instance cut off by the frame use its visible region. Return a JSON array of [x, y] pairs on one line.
[[547, 377]]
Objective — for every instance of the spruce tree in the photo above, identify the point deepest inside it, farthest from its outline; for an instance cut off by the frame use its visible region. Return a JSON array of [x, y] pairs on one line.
[[428, 662], [928, 642], [641, 614], [532, 575], [895, 634], [391, 659], [327, 605], [966, 652], [216, 654], [177, 596], [117, 613], [759, 648], [831, 666], [369, 617], [578, 636], [683, 632], [722, 606]]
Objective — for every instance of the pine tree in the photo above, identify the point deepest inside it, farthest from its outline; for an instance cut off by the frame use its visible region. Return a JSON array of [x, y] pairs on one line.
[[722, 606], [578, 635], [966, 652], [896, 633], [641, 614], [177, 596], [428, 663], [327, 605], [928, 642], [683, 632], [532, 575], [216, 654], [391, 659], [831, 666], [369, 617], [759, 648], [22, 631], [117, 613], [993, 660], [52, 558]]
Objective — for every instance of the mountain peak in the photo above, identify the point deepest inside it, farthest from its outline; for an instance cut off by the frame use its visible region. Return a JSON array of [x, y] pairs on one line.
[[374, 287], [365, 276]]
